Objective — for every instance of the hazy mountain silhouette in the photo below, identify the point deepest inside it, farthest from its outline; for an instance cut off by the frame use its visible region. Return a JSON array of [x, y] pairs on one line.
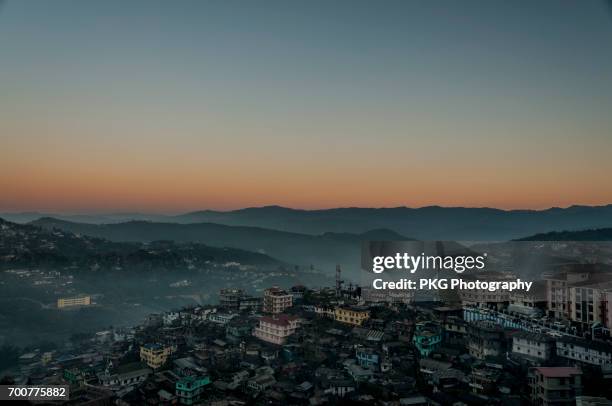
[[426, 223], [324, 250], [600, 234]]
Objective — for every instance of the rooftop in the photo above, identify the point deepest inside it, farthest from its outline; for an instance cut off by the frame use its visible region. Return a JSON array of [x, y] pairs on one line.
[[558, 372]]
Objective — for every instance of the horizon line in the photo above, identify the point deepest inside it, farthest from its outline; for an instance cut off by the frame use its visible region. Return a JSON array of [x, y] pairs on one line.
[[182, 213]]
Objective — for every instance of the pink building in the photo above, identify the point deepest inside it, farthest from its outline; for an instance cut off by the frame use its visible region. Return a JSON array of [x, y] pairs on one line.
[[276, 329]]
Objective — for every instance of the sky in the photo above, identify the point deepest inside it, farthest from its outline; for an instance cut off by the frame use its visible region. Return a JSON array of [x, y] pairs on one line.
[[185, 105]]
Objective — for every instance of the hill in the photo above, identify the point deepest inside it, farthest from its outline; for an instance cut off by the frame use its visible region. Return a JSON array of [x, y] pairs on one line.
[[425, 223], [32, 246], [323, 251], [600, 234]]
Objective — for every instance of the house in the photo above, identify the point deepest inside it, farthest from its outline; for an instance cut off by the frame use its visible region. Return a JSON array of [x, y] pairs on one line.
[[533, 345], [189, 389], [353, 315], [588, 352], [276, 300], [367, 357], [155, 355], [427, 337], [552, 386], [261, 382], [276, 329]]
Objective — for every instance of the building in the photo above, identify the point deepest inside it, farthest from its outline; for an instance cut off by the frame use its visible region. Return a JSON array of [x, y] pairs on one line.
[[555, 386], [427, 337], [221, 318], [130, 374], [261, 382], [588, 352], [531, 303], [250, 303], [486, 339], [276, 300], [557, 291], [367, 357], [155, 355], [534, 346], [298, 292], [371, 295], [276, 329], [230, 298], [189, 389], [497, 299], [353, 315], [65, 302]]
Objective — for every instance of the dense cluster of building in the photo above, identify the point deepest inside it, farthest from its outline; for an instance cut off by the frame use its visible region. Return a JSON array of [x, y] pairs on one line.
[[336, 346]]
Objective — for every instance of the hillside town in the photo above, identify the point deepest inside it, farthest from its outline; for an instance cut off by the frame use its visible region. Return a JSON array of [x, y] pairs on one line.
[[350, 345]]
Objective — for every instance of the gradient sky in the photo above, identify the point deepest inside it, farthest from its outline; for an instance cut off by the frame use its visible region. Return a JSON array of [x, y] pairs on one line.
[[183, 105]]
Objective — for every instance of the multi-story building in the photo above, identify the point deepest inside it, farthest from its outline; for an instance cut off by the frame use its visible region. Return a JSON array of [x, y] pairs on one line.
[[557, 294], [64, 302], [189, 389], [555, 386], [585, 351], [580, 296], [497, 299], [533, 346], [530, 303], [353, 315], [155, 355], [276, 329], [276, 300], [250, 303], [486, 339], [221, 318], [427, 337], [230, 298], [298, 292], [367, 357]]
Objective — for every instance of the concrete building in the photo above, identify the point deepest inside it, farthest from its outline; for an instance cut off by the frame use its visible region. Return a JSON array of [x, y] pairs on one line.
[[533, 346], [276, 329], [230, 298], [276, 300], [588, 352], [427, 337], [555, 386], [189, 389], [367, 357], [155, 355], [353, 315], [486, 339], [557, 294], [64, 302], [532, 303], [221, 318]]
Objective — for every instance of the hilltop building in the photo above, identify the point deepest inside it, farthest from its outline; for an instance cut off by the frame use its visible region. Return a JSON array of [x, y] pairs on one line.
[[276, 300], [276, 329]]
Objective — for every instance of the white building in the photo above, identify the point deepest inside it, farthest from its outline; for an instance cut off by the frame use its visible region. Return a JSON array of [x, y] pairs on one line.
[[535, 346], [221, 318], [588, 352]]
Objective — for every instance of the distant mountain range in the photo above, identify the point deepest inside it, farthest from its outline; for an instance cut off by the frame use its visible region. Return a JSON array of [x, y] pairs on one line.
[[600, 234], [324, 251], [426, 223]]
